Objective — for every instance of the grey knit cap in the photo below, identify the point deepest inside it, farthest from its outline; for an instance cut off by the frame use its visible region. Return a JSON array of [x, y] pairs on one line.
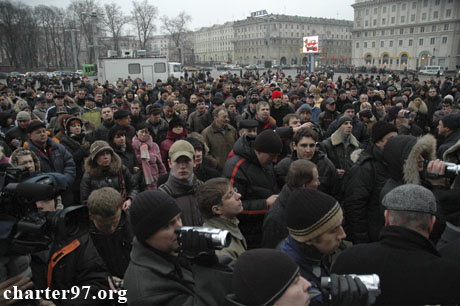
[[410, 197]]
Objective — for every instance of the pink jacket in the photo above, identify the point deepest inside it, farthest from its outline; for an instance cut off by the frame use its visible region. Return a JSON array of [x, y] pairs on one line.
[[156, 164]]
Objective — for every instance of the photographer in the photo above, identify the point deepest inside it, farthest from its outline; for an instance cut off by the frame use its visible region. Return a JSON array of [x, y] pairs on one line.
[[158, 274], [314, 221]]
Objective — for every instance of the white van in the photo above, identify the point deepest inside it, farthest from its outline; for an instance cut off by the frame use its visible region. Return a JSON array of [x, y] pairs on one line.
[[431, 70]]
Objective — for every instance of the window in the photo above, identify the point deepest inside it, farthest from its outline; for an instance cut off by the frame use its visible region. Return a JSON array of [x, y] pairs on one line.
[[357, 44], [400, 43], [373, 44], [422, 29], [423, 16], [373, 33], [367, 12], [403, 19], [401, 31], [384, 9], [375, 11], [437, 2], [414, 5], [159, 67], [392, 32], [393, 8], [365, 44], [435, 14], [410, 42], [374, 22], [358, 23], [382, 43], [383, 33], [425, 3], [432, 40], [366, 23], [448, 12], [365, 34], [420, 42], [383, 21], [403, 6], [393, 20], [412, 17], [411, 30], [444, 40], [446, 27], [391, 43], [433, 28], [134, 68]]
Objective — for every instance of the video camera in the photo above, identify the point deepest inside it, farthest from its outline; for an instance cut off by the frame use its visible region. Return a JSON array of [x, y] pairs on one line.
[[24, 229], [452, 170], [207, 239]]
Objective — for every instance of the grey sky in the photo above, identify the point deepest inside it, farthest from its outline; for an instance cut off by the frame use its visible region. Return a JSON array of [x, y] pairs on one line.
[[208, 12]]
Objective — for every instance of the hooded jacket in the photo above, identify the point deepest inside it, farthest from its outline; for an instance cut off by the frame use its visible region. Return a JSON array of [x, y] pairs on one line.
[[254, 182]]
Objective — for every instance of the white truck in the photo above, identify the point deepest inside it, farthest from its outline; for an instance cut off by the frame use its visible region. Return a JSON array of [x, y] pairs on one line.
[[149, 69]]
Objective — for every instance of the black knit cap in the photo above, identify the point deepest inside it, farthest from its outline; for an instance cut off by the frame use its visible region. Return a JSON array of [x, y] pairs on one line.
[[382, 128], [121, 113], [150, 211], [261, 276], [268, 142], [310, 213], [347, 106]]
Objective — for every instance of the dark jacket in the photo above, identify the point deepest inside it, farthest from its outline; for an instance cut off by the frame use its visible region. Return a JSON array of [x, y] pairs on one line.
[[55, 159], [184, 193], [80, 266], [16, 133], [158, 131], [448, 142], [326, 118], [102, 130], [359, 131], [115, 248], [326, 171], [219, 142], [255, 183], [362, 187], [116, 176], [279, 113], [153, 278], [406, 262], [336, 151], [274, 227]]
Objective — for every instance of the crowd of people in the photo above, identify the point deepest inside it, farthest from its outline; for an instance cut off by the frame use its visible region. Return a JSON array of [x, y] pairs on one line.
[[312, 177]]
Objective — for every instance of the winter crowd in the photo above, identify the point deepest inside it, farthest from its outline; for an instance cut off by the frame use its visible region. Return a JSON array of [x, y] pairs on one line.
[[316, 180]]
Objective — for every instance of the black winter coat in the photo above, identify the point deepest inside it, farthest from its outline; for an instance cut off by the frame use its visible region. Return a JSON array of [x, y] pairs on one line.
[[359, 131], [411, 271], [102, 130], [255, 183], [362, 187]]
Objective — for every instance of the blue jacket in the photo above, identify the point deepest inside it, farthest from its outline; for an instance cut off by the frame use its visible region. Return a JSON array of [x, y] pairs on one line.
[[55, 159]]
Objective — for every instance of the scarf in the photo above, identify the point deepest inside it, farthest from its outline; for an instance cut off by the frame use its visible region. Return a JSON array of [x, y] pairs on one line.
[[146, 169]]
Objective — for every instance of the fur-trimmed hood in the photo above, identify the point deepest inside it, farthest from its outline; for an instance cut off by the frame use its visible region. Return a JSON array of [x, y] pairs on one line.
[[452, 155], [423, 109], [96, 171], [401, 152], [336, 139]]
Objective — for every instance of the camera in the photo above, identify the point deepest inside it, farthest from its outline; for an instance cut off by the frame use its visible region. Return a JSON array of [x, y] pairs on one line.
[[371, 281], [452, 170], [216, 238]]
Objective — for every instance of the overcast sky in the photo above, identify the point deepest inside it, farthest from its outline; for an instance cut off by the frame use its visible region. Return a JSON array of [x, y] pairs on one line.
[[208, 12]]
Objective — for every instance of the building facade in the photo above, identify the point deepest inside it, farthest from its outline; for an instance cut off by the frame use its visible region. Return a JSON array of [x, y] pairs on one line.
[[159, 45], [279, 38], [410, 34], [214, 44]]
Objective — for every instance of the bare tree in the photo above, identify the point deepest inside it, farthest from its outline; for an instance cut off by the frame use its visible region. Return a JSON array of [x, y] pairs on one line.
[[177, 28], [143, 15], [114, 20]]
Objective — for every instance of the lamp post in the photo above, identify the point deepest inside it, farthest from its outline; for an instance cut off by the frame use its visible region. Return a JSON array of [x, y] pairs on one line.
[[74, 47]]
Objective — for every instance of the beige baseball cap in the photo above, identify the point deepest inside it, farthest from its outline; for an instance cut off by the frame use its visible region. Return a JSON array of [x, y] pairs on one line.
[[181, 148]]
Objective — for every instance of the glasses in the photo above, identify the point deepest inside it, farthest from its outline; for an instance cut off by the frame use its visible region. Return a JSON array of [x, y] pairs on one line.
[[232, 193]]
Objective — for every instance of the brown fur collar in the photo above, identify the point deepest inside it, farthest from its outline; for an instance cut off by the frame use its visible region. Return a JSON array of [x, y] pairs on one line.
[[423, 109], [452, 155], [426, 146], [114, 168], [336, 139]]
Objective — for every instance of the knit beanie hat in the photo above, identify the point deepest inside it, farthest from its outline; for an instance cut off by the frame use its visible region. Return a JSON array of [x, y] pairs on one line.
[[410, 197], [305, 108], [382, 128], [451, 121], [342, 120], [150, 211], [268, 142], [261, 276], [310, 213], [276, 94], [347, 106]]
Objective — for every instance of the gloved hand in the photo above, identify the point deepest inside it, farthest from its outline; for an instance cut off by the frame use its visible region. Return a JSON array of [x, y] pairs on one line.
[[348, 291], [196, 247]]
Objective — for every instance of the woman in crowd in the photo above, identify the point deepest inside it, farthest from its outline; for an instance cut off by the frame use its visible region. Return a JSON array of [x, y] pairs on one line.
[[176, 132]]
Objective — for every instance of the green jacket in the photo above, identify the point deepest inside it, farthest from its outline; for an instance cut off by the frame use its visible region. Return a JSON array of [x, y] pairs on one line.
[[238, 245], [93, 115]]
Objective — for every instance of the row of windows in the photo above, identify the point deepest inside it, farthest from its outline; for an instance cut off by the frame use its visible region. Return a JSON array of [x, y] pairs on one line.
[[274, 26], [400, 42], [403, 18], [403, 7], [422, 29]]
